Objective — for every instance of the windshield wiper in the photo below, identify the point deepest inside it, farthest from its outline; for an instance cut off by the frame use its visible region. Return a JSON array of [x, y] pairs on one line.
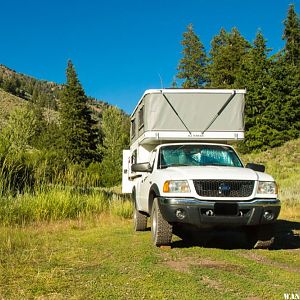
[[163, 166], [174, 165]]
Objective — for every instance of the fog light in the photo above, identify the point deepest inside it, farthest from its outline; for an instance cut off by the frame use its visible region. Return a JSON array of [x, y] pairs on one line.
[[209, 213], [268, 215], [180, 214]]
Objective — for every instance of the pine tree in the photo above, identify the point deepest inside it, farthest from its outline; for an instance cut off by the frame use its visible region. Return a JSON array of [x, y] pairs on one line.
[[78, 138], [256, 78], [192, 67], [227, 51], [292, 59], [285, 110], [115, 128], [292, 37]]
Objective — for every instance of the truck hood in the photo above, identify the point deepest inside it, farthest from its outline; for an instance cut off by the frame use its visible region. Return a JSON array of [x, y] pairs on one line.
[[215, 172]]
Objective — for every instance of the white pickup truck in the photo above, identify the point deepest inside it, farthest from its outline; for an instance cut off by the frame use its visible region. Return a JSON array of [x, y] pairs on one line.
[[180, 171]]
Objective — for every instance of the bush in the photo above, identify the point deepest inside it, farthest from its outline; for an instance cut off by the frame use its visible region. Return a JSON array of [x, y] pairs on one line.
[[16, 176]]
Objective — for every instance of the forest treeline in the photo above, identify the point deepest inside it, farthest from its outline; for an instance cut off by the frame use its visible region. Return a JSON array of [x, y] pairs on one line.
[[272, 112], [62, 136]]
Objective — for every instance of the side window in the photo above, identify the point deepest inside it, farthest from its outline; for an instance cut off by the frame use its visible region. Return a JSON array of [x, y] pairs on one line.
[[141, 117], [152, 158], [133, 128], [133, 157]]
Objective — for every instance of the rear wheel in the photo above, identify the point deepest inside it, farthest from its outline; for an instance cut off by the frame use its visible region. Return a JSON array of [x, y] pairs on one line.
[[139, 220], [161, 230]]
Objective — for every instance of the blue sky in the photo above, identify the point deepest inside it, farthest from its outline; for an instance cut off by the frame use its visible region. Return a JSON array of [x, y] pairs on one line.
[[121, 48]]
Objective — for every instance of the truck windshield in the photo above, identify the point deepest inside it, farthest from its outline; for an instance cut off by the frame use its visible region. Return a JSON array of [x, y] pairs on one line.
[[197, 155]]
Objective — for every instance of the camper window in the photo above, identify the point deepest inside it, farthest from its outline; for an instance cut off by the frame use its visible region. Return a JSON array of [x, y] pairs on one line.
[[132, 128], [141, 117], [152, 158], [133, 157]]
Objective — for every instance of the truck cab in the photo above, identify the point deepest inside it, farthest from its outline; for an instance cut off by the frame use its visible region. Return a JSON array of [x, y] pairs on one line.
[[185, 180]]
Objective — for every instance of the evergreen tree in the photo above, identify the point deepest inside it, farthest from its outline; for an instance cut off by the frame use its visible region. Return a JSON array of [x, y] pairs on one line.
[[273, 108], [292, 37], [284, 113], [192, 67], [227, 51], [78, 138], [256, 78], [115, 128]]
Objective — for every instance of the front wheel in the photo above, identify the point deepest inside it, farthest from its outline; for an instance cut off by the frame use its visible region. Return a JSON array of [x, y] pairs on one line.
[[161, 230]]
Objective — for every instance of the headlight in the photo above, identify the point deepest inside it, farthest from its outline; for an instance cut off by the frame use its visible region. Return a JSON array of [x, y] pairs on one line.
[[176, 186], [267, 187]]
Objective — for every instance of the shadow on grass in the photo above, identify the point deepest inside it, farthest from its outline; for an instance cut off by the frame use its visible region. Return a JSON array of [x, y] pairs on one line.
[[286, 236]]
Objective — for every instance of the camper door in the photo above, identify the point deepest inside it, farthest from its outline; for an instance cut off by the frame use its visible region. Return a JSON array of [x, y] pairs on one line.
[[126, 183]]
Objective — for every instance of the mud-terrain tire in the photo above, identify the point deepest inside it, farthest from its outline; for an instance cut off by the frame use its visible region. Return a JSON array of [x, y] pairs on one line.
[[161, 230], [139, 220], [261, 237]]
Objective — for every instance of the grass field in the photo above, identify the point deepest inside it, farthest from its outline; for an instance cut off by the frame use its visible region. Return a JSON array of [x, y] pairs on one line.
[[60, 243], [102, 258]]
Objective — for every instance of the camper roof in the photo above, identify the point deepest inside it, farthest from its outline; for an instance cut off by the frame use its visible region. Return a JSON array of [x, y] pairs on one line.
[[188, 114], [188, 91]]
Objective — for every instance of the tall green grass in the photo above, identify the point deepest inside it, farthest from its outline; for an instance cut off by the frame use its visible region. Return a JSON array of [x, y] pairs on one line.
[[60, 202], [36, 187], [33, 188], [28, 170]]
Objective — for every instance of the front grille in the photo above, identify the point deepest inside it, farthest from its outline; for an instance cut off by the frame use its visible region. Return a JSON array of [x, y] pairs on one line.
[[224, 188]]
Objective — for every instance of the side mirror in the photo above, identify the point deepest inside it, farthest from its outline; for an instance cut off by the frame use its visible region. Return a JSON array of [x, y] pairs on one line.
[[256, 167], [141, 167]]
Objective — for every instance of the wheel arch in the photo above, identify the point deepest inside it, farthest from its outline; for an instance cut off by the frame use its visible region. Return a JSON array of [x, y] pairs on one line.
[[134, 202], [153, 193]]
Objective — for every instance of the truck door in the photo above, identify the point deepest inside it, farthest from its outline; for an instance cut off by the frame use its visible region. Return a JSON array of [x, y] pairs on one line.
[[146, 183]]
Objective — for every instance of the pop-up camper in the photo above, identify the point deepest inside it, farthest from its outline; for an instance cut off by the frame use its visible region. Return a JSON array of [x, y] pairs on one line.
[[180, 168], [191, 115]]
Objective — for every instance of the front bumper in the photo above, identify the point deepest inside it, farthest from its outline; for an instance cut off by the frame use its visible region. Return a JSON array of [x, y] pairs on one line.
[[219, 213]]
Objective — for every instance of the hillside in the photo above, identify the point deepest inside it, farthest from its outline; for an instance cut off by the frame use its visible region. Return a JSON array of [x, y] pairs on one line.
[[29, 88], [8, 103], [16, 89], [43, 92], [283, 163]]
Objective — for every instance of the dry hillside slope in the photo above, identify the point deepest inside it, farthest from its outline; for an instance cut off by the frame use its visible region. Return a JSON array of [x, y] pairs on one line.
[[283, 163], [8, 103]]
